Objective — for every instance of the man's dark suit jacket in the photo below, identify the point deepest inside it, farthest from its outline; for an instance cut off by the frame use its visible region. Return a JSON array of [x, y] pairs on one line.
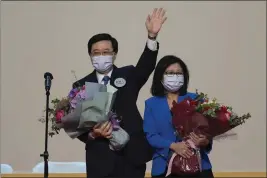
[[99, 158]]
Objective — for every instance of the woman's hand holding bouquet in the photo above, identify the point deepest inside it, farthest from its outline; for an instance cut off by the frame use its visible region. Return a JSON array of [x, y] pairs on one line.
[[182, 149], [197, 121], [199, 140]]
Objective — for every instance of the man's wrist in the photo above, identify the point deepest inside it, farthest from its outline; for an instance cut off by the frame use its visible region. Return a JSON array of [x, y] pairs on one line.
[[152, 36]]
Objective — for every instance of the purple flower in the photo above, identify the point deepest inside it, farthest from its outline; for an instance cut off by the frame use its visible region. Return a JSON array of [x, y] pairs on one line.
[[73, 103], [79, 97], [73, 92], [114, 119], [82, 94]]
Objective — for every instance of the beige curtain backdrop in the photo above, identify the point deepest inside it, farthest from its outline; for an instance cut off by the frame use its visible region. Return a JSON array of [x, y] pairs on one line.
[[223, 44]]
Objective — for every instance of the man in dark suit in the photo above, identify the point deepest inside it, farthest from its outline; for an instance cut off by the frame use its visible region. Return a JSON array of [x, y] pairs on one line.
[[101, 161]]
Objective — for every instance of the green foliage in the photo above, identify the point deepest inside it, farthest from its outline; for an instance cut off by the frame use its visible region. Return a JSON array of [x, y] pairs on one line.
[[51, 117], [209, 108], [235, 120]]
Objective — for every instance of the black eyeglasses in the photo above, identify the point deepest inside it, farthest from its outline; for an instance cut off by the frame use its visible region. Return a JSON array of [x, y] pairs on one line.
[[173, 73], [104, 53]]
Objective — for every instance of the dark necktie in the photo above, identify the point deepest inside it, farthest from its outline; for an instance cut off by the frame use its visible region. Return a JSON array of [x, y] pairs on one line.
[[106, 79]]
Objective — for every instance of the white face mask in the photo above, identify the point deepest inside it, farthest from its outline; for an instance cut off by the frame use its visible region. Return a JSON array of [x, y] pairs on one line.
[[102, 63], [173, 83]]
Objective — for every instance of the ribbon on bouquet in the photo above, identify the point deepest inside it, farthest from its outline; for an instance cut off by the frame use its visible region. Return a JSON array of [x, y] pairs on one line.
[[192, 145]]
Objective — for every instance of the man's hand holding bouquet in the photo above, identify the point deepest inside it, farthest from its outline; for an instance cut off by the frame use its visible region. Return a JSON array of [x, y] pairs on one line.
[[89, 108]]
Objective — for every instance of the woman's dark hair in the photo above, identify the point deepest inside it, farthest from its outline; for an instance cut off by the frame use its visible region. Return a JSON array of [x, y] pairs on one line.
[[102, 37], [157, 89]]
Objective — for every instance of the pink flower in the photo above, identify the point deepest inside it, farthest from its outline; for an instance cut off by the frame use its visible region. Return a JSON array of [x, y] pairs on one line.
[[59, 115], [228, 115]]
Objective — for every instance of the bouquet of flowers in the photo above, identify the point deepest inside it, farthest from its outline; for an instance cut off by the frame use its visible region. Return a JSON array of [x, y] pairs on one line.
[[201, 116], [83, 108]]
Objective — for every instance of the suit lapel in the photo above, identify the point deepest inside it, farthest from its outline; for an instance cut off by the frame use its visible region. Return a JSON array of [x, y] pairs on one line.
[[92, 77], [115, 74], [166, 109], [181, 98], [163, 109]]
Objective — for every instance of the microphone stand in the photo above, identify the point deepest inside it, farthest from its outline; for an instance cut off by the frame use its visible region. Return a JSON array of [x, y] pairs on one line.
[[48, 77]]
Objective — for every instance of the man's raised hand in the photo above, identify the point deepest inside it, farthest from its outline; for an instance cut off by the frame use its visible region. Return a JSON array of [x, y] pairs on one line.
[[154, 22]]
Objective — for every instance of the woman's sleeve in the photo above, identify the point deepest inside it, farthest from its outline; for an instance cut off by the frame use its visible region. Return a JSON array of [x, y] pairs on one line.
[[150, 129]]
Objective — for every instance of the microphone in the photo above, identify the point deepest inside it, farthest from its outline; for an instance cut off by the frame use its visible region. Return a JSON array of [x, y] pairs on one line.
[[48, 78]]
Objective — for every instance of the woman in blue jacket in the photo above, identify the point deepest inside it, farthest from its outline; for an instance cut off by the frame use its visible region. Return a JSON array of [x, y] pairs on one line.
[[170, 83]]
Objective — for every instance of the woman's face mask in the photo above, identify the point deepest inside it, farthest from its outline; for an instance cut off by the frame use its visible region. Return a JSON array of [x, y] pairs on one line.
[[102, 64], [173, 82]]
